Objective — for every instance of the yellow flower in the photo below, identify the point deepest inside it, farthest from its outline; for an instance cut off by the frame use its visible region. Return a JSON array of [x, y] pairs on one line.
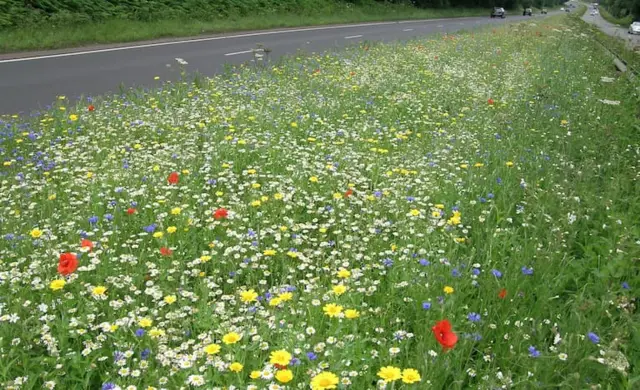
[[89, 175], [278, 196], [464, 166], [313, 179], [448, 290], [176, 211], [219, 193], [351, 314], [275, 301], [255, 374], [343, 273], [324, 381], [409, 375], [339, 289], [36, 233], [294, 124], [145, 322], [231, 338], [158, 235], [322, 230], [57, 284], [99, 290], [256, 203], [73, 117], [509, 164], [248, 296], [283, 228], [337, 196], [286, 296], [205, 258], [284, 376], [292, 254], [171, 229], [255, 185], [280, 357], [414, 212], [212, 349], [332, 310], [155, 333], [236, 367], [251, 172], [52, 197], [269, 252], [455, 219], [439, 206], [390, 373], [460, 240], [478, 165], [169, 299]]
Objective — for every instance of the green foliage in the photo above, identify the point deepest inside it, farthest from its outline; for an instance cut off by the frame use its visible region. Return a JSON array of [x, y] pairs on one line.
[[620, 11], [18, 13]]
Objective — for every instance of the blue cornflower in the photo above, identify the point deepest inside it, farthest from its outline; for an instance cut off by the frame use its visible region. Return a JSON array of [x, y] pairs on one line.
[[108, 217], [117, 355], [151, 228], [295, 361], [625, 285], [490, 195], [473, 317], [475, 271], [455, 273], [108, 386], [387, 262], [424, 262], [533, 352], [93, 220], [140, 332], [527, 271], [426, 305], [311, 356], [593, 337], [496, 273], [144, 355]]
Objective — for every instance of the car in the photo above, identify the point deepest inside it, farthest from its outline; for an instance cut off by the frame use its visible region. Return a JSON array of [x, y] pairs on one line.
[[634, 28], [567, 10], [544, 11], [498, 12], [562, 9], [527, 11]]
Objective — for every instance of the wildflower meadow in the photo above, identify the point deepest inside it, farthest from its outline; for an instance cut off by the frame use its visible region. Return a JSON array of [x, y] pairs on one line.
[[452, 212]]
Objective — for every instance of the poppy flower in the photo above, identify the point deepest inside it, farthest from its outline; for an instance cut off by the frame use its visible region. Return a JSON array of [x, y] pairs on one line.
[[503, 293], [220, 213], [348, 193], [444, 335], [490, 101], [86, 244], [173, 178], [164, 251], [131, 210], [68, 263], [91, 107], [279, 366]]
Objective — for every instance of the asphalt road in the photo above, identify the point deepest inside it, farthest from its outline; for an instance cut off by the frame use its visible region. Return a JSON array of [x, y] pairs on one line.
[[31, 83], [612, 29]]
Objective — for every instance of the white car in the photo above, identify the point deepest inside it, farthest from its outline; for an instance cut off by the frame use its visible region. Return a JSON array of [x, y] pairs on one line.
[[634, 28]]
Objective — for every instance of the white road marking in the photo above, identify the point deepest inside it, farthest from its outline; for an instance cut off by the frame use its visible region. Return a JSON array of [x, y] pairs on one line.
[[440, 26], [353, 36], [196, 40], [238, 52], [408, 29]]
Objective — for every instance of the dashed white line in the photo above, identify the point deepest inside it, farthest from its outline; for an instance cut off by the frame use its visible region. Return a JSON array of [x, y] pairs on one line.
[[408, 29], [235, 53], [440, 26], [353, 36]]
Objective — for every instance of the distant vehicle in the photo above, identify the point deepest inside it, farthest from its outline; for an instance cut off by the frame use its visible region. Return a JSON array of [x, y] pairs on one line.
[[527, 11], [498, 12], [544, 11], [562, 9], [567, 10], [634, 28]]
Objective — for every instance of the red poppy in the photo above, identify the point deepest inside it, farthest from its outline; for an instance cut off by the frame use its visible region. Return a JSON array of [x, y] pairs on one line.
[[348, 193], [444, 335], [68, 263], [91, 107], [503, 293], [86, 244], [164, 251], [131, 210], [173, 178], [221, 213], [490, 101]]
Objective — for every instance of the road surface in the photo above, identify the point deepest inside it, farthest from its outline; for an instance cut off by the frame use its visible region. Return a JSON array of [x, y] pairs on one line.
[[31, 83], [612, 29]]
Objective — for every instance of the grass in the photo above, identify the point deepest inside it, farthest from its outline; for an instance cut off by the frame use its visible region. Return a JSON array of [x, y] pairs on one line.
[[334, 207], [624, 22], [115, 31]]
